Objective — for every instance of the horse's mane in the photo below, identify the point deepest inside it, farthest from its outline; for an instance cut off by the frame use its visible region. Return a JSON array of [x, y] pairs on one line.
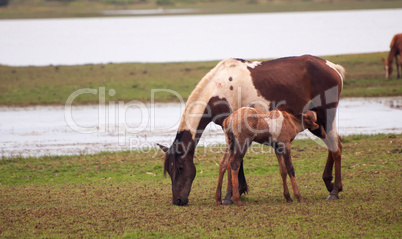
[[392, 42], [203, 82], [202, 92]]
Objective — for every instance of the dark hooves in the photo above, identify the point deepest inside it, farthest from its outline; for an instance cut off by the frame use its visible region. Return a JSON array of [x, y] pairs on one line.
[[332, 197], [227, 202]]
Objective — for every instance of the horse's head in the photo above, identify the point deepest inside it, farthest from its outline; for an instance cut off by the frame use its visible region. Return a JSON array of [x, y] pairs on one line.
[[387, 68], [181, 169]]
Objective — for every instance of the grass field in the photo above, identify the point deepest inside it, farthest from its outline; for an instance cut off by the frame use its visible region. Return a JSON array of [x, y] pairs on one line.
[[51, 85], [125, 194], [83, 8]]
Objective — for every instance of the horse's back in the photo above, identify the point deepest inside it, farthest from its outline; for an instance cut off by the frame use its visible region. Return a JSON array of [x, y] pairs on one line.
[[397, 43], [292, 82]]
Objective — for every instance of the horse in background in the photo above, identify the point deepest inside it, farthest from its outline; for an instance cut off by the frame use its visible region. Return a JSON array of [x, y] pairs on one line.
[[293, 84], [274, 128], [395, 50]]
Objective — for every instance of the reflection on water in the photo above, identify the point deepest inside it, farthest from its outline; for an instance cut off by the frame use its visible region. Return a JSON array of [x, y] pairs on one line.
[[46, 130]]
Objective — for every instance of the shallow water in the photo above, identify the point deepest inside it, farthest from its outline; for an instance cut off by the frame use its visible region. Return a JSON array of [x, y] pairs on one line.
[[53, 130], [195, 38]]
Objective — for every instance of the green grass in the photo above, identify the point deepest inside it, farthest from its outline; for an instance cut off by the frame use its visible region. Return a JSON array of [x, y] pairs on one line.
[[124, 194], [83, 8], [365, 76], [52, 85]]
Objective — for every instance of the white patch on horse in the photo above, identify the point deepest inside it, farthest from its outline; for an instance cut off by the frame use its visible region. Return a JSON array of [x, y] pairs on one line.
[[253, 64], [275, 126], [230, 79], [332, 138], [338, 68]]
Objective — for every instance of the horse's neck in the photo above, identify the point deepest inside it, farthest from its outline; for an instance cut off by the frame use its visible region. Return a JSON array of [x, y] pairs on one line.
[[193, 118], [392, 54], [296, 122]]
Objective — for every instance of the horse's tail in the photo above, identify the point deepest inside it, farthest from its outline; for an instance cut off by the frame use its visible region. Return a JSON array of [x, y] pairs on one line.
[[340, 70]]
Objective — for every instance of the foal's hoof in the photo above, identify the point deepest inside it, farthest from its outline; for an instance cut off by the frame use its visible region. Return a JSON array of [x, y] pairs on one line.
[[227, 202], [332, 197]]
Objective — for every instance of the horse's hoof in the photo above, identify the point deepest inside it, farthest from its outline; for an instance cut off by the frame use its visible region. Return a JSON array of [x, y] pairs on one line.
[[227, 202], [332, 197]]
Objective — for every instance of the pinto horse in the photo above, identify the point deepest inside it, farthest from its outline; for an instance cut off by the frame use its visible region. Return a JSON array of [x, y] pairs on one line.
[[275, 128], [396, 49], [293, 84]]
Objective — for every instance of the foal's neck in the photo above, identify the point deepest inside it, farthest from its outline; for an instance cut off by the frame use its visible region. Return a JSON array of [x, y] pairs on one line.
[[296, 122]]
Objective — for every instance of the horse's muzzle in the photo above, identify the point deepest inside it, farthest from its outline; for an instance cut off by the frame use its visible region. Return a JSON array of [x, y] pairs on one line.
[[181, 202]]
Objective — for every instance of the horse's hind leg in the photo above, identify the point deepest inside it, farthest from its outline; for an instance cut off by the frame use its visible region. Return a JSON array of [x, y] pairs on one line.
[[333, 142]]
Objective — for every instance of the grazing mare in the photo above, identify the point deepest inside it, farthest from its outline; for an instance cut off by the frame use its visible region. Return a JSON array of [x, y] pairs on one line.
[[293, 84], [275, 128], [396, 49]]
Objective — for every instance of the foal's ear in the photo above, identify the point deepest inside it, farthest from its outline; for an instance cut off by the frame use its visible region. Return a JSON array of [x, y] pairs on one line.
[[164, 148], [311, 115]]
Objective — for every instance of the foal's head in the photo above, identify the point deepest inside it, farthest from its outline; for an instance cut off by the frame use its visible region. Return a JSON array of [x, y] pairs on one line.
[[309, 120]]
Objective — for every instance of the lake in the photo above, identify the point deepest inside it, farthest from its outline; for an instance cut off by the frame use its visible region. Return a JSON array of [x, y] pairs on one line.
[[195, 37], [59, 130]]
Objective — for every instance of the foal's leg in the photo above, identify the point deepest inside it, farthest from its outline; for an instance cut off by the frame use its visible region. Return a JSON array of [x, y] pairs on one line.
[[291, 171], [223, 164], [398, 64], [284, 174], [228, 197], [234, 164]]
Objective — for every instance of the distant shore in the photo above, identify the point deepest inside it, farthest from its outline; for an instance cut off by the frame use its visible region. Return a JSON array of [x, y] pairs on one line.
[[52, 85], [74, 9]]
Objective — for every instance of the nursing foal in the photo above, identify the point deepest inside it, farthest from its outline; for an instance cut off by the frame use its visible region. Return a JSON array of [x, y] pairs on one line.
[[275, 128]]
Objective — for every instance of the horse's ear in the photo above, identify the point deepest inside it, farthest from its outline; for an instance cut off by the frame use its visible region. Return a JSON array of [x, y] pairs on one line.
[[164, 148]]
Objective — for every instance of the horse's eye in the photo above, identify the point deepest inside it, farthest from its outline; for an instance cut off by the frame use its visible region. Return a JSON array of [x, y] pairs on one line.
[[180, 166]]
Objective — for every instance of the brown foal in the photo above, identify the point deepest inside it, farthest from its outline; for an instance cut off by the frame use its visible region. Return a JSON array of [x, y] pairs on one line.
[[275, 128]]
